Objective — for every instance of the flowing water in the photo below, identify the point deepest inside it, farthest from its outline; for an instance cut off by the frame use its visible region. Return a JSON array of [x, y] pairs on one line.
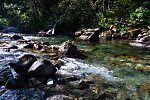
[[116, 57], [113, 60]]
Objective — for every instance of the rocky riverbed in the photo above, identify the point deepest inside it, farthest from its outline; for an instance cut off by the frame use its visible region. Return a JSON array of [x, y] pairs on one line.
[[32, 69]]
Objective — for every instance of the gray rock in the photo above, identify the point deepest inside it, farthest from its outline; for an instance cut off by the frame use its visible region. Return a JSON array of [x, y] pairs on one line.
[[16, 37], [12, 47], [29, 46], [91, 35], [107, 35], [37, 80], [69, 49], [132, 34], [37, 46], [23, 94], [59, 97], [83, 85], [19, 82], [50, 81], [42, 68], [24, 63]]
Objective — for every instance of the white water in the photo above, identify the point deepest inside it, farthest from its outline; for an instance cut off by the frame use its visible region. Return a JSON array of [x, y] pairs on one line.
[[32, 37], [72, 66]]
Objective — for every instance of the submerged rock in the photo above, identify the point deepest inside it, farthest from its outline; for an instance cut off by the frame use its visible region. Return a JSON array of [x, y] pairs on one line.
[[144, 90], [107, 95], [140, 45], [60, 97], [23, 94]]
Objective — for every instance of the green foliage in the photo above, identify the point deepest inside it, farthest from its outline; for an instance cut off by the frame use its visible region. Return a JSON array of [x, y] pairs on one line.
[[3, 22], [141, 16], [73, 14], [107, 20]]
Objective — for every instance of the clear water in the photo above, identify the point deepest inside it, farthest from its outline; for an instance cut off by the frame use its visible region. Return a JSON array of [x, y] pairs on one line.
[[111, 59], [128, 63]]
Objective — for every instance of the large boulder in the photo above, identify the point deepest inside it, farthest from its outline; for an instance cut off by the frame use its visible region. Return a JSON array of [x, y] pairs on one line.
[[68, 48], [4, 76], [78, 33], [131, 34], [110, 34], [42, 68], [91, 35], [19, 82], [142, 41], [16, 37], [11, 79], [24, 63], [10, 30]]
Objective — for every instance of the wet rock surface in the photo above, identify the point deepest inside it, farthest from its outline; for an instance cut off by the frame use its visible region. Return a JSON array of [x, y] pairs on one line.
[[24, 63], [42, 68], [142, 41], [16, 37], [60, 97], [22, 94], [48, 74], [140, 37], [91, 35]]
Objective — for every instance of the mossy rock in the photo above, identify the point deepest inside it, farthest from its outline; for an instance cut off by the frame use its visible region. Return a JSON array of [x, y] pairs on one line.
[[144, 91], [143, 68]]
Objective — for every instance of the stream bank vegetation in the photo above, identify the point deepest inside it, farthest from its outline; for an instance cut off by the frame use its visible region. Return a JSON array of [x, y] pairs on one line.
[[35, 15]]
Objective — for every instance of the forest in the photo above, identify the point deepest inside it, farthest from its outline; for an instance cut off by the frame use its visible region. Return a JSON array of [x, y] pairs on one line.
[[34, 15]]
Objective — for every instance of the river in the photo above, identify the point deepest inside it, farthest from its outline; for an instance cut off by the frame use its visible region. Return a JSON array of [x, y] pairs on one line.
[[113, 60]]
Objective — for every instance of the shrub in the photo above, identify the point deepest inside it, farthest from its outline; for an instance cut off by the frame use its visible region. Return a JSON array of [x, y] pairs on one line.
[[141, 16]]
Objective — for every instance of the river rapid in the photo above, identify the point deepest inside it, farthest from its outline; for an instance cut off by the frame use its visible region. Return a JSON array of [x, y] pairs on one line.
[[113, 61]]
